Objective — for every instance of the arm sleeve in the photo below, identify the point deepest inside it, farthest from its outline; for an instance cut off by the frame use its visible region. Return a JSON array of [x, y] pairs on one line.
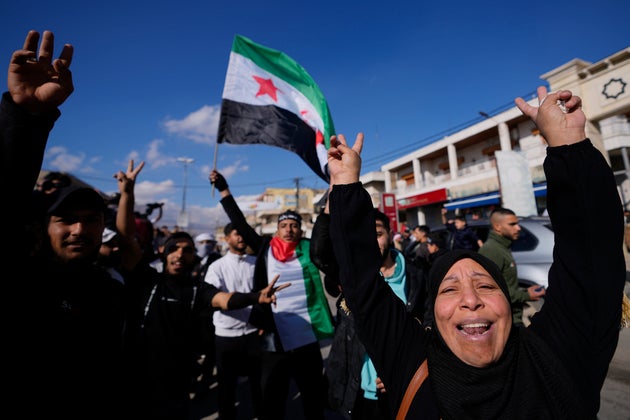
[[23, 138], [238, 220], [241, 300], [321, 252], [580, 319], [394, 340]]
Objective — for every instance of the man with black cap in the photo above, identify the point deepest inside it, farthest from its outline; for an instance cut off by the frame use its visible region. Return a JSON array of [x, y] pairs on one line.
[[292, 330], [80, 305]]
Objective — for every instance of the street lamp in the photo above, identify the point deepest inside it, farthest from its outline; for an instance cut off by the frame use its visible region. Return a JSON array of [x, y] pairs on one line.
[[182, 220]]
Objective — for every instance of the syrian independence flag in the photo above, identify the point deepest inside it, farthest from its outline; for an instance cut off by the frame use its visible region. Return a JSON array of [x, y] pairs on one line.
[[302, 315], [268, 98]]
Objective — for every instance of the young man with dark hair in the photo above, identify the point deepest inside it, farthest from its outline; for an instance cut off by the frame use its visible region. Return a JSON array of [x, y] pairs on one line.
[[505, 230], [417, 251], [237, 345]]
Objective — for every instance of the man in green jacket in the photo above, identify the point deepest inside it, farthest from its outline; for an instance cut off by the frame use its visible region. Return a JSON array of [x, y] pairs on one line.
[[505, 229]]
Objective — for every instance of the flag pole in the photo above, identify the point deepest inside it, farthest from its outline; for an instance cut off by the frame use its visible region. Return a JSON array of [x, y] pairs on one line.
[[214, 163]]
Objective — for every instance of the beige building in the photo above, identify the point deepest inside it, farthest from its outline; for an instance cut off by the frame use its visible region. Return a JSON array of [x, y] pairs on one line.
[[263, 214], [460, 171]]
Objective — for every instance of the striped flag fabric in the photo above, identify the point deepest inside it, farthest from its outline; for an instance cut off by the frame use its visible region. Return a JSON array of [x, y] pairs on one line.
[[270, 99]]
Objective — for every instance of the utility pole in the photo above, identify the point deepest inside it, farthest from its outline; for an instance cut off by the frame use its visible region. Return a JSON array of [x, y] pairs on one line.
[[297, 194], [182, 220]]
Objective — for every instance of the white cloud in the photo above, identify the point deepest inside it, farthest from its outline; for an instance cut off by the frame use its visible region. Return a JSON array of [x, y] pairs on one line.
[[135, 156], [59, 159], [150, 192], [154, 156], [230, 170], [199, 126]]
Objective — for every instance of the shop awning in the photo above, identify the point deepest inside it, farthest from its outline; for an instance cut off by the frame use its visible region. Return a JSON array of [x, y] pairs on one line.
[[474, 201], [488, 198], [420, 200], [540, 190]]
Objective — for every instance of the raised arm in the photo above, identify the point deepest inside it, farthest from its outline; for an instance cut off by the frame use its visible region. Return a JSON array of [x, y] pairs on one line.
[[234, 212], [125, 217], [582, 307], [381, 317], [37, 86]]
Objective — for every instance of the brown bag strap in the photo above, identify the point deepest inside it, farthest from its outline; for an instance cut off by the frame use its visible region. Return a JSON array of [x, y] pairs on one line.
[[413, 387]]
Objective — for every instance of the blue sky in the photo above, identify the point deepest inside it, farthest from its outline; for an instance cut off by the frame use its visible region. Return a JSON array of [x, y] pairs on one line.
[[149, 79]]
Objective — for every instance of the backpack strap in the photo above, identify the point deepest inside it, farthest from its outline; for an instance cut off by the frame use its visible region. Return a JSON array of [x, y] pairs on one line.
[[413, 387]]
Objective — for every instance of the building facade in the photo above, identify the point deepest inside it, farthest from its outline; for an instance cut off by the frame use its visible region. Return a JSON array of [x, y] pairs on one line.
[[264, 216], [460, 171]]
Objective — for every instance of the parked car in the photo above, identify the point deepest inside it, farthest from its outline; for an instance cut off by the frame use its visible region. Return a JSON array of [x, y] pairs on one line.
[[533, 251]]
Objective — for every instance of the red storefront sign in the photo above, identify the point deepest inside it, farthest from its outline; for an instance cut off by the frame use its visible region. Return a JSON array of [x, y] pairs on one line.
[[390, 208], [423, 199]]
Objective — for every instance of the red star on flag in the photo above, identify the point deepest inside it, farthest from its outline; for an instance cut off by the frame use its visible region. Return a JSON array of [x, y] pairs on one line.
[[266, 88], [319, 136]]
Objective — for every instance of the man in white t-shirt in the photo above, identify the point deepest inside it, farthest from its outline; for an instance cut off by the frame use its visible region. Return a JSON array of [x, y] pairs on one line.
[[237, 345]]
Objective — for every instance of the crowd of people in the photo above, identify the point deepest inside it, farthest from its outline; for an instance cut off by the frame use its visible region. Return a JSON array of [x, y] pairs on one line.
[[114, 322]]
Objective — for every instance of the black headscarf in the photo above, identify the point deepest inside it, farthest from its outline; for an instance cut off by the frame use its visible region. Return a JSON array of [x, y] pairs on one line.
[[528, 381], [441, 266]]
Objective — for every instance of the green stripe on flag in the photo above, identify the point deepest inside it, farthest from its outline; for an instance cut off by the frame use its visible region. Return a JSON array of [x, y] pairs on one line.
[[316, 301]]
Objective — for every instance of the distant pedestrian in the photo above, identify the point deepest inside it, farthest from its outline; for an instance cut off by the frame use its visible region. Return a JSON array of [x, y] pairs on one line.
[[461, 236], [417, 252], [206, 245]]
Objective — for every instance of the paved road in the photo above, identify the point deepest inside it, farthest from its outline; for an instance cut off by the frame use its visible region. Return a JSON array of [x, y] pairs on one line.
[[615, 396]]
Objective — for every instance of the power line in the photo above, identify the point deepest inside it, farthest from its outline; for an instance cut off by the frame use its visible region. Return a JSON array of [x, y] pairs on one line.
[[369, 164]]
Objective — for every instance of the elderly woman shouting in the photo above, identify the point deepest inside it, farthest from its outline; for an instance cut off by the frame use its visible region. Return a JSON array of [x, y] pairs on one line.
[[481, 366]]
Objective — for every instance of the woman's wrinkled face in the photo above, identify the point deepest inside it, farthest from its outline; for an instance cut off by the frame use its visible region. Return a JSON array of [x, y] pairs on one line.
[[472, 314]]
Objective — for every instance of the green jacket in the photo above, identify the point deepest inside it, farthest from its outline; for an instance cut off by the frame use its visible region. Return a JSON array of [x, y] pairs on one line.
[[497, 248]]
